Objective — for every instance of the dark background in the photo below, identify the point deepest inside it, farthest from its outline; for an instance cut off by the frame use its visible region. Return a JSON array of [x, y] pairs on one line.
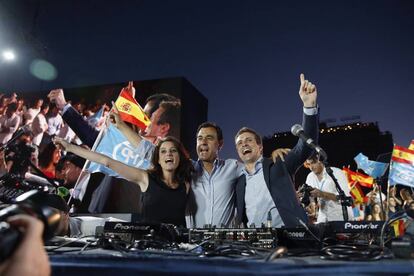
[[244, 56]]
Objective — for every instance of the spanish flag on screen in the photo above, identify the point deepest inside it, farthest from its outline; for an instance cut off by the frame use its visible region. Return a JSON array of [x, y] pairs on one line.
[[130, 111]]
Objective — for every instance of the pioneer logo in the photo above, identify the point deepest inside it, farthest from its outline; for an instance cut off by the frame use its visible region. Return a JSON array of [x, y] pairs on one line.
[[124, 227], [368, 226], [296, 235]]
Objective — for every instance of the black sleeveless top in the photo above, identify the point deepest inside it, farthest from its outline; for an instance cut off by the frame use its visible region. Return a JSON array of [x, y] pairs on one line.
[[161, 203]]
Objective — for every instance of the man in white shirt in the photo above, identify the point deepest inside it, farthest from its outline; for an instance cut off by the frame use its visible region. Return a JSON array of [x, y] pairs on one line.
[[54, 121], [32, 112], [39, 125], [9, 123], [330, 209]]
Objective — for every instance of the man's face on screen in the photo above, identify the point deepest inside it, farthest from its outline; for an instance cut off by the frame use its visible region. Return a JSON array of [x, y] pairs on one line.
[[155, 129]]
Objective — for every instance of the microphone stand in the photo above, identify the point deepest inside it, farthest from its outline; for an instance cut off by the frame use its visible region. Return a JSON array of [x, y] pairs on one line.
[[343, 199]]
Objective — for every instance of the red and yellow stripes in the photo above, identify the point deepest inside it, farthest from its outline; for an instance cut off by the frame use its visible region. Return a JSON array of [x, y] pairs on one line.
[[362, 179], [130, 111], [399, 227], [403, 155], [357, 193]]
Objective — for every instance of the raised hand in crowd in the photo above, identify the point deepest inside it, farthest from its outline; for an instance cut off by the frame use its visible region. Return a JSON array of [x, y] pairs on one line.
[[56, 96], [129, 89], [307, 92], [30, 257]]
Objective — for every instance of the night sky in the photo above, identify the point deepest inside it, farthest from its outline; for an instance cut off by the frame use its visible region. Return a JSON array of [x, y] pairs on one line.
[[244, 56]]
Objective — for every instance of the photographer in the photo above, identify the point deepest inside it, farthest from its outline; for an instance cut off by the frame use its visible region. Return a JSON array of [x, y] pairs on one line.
[[324, 189], [30, 257]]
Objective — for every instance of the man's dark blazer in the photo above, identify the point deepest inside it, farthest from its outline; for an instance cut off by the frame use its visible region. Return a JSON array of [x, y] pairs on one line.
[[278, 178], [108, 194]]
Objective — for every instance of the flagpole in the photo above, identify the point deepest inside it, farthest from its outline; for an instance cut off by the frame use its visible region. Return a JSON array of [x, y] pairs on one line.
[[95, 144], [388, 195]]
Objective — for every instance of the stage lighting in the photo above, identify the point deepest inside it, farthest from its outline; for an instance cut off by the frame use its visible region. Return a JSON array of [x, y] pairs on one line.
[[8, 55]]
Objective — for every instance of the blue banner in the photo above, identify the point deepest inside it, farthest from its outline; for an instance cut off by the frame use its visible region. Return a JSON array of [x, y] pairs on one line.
[[371, 168], [114, 144], [401, 173]]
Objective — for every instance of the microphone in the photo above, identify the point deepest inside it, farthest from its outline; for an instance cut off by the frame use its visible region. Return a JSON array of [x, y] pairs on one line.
[[23, 130], [297, 130]]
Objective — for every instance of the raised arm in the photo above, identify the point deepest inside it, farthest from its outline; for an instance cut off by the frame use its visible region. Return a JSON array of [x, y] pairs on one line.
[[308, 95], [133, 174], [80, 126]]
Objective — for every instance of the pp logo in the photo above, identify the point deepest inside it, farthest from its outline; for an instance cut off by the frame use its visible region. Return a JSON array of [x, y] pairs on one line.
[[125, 153]]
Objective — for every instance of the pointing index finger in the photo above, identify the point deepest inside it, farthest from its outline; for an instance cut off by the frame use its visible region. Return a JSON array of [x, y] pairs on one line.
[[302, 78]]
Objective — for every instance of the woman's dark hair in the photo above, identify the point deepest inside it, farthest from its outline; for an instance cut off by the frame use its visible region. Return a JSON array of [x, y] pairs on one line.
[[46, 155], [184, 169]]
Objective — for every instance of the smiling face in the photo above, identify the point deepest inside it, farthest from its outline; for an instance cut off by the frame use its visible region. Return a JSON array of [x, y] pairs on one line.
[[169, 158], [248, 148], [208, 144]]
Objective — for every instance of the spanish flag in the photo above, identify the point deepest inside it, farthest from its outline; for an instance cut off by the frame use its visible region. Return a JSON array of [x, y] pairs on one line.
[[357, 193], [403, 155], [398, 227], [362, 179], [130, 111]]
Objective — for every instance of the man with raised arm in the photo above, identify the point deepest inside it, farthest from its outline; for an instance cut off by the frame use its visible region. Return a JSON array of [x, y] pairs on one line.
[[265, 192]]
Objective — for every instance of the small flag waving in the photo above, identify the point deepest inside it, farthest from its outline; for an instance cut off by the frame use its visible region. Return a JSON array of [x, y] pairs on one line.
[[116, 146], [130, 111], [398, 227], [364, 180], [403, 155], [357, 193], [94, 119], [372, 168], [402, 167]]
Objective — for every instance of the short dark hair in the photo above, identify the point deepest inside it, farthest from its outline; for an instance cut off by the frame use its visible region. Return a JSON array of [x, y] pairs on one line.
[[212, 125], [171, 116], [314, 157], [249, 130], [12, 107], [75, 160], [158, 98], [45, 105]]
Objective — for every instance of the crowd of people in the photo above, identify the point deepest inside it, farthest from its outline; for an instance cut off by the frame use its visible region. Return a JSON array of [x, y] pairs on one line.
[[324, 204], [209, 191]]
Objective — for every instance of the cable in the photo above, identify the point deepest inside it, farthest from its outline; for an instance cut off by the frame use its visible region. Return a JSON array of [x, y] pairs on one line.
[[353, 253], [68, 243]]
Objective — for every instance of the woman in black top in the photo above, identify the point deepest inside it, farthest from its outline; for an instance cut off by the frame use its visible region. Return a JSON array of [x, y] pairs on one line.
[[165, 186]]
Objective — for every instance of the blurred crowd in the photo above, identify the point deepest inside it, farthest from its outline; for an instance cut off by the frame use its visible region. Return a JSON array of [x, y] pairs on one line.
[[42, 121]]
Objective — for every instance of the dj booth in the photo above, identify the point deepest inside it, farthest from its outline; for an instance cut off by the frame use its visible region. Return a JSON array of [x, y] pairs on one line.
[[242, 251]]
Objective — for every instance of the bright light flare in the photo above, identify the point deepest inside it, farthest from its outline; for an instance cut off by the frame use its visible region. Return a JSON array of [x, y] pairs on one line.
[[8, 55]]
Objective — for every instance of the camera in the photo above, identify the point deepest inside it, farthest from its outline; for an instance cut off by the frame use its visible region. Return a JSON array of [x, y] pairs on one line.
[[305, 189], [30, 203], [20, 154]]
